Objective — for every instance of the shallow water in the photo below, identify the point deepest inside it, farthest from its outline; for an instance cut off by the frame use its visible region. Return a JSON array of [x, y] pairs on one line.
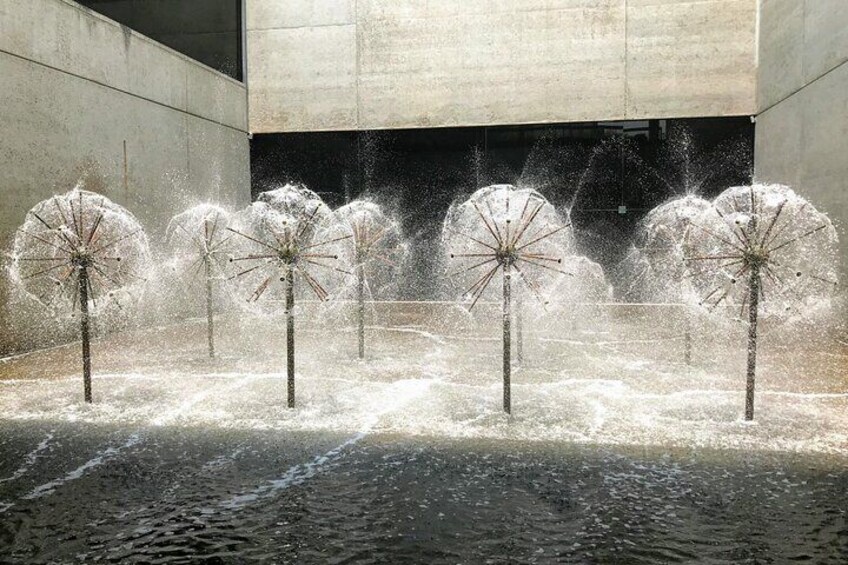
[[617, 450]]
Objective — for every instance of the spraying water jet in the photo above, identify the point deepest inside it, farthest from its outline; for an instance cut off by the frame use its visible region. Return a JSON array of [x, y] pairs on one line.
[[74, 250], [200, 246], [379, 251], [765, 250], [504, 229], [278, 243]]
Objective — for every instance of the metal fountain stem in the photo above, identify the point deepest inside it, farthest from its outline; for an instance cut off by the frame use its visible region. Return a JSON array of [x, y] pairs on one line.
[[360, 300], [82, 262], [509, 252], [210, 321], [507, 320], [289, 284], [755, 258]]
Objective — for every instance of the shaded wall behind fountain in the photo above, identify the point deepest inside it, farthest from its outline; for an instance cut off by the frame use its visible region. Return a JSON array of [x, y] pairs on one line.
[[595, 168]]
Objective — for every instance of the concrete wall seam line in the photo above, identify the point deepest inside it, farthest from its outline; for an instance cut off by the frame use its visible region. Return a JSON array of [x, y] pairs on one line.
[[134, 95], [272, 28], [802, 87]]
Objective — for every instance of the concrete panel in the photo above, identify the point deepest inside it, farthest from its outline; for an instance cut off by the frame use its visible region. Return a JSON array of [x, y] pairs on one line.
[[273, 14], [777, 143], [781, 51], [802, 132], [416, 9], [215, 97], [302, 79], [690, 58], [824, 143], [799, 42], [219, 159], [825, 36], [54, 123], [155, 74], [435, 63], [803, 140], [63, 35], [70, 38], [454, 68]]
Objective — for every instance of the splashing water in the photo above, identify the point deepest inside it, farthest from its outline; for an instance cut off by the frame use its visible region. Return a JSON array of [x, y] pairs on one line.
[[380, 249], [63, 232], [197, 233], [286, 243], [271, 246], [762, 244], [501, 229], [773, 231], [294, 201], [379, 252], [200, 247], [78, 249], [190, 442], [654, 270], [503, 225]]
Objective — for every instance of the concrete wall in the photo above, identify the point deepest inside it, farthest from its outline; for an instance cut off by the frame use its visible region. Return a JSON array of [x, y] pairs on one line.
[[372, 64], [802, 99], [76, 87], [205, 30]]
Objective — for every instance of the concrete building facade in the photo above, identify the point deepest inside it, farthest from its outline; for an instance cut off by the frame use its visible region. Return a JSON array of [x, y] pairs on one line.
[[380, 64], [802, 103], [82, 96]]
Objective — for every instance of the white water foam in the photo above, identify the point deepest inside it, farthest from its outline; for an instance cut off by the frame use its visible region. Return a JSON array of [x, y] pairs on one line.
[[400, 392], [99, 459], [136, 438], [30, 459]]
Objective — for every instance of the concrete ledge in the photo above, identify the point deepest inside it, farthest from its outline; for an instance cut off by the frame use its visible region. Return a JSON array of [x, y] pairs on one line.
[[65, 36]]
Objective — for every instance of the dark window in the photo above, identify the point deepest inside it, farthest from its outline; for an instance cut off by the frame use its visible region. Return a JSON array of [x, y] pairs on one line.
[[209, 31], [608, 173]]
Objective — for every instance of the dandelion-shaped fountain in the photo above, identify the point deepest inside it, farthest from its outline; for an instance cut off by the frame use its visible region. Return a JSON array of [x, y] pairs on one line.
[[654, 270], [502, 228], [379, 250], [78, 248], [764, 249], [200, 246], [288, 232]]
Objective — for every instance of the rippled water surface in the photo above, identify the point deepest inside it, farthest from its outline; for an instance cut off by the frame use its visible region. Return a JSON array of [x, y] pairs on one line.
[[617, 451]]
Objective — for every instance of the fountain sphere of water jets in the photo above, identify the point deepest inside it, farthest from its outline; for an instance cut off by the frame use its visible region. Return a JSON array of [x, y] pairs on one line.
[[502, 228], [273, 249], [200, 248], [295, 200], [501, 223], [586, 285], [764, 249], [379, 251], [79, 249], [654, 270]]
